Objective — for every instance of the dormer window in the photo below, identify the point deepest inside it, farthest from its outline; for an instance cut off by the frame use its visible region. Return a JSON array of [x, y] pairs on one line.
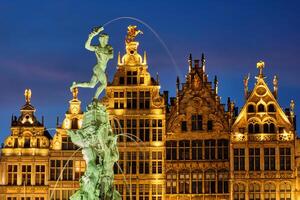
[[261, 108], [251, 108]]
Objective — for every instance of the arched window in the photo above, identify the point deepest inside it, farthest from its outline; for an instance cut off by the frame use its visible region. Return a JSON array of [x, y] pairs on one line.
[[272, 128], [184, 182], [27, 142], [74, 123], [266, 128], [261, 108], [16, 143], [270, 191], [251, 108], [250, 128], [269, 128], [223, 181], [271, 108], [254, 191], [38, 142], [239, 192], [210, 182], [256, 128], [197, 182], [285, 191], [171, 182]]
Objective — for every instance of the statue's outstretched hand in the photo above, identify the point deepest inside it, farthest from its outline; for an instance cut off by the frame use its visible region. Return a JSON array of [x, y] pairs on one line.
[[96, 30]]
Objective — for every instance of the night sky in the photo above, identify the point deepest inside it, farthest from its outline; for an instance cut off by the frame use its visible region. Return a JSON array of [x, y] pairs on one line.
[[42, 47]]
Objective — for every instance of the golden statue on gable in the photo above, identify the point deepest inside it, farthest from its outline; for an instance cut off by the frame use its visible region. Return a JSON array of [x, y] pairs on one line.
[[260, 65], [27, 95], [132, 32]]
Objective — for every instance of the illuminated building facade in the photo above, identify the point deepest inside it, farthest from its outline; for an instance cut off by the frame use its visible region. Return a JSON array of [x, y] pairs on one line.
[[195, 148], [24, 157], [137, 111], [263, 147], [197, 144]]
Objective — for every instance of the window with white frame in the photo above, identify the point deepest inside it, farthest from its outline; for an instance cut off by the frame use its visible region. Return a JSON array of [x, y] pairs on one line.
[[40, 174], [26, 174], [157, 128], [270, 191], [197, 185], [171, 182], [156, 162], [12, 171], [254, 191]]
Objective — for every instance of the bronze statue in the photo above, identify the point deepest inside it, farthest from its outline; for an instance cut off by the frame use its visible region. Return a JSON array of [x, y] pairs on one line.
[[104, 53]]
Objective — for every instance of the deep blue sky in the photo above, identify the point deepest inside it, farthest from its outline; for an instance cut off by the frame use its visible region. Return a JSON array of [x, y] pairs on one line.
[[42, 46]]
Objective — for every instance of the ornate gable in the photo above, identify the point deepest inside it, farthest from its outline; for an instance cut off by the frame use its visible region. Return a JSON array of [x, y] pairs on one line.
[[28, 135], [73, 120], [262, 118], [197, 100]]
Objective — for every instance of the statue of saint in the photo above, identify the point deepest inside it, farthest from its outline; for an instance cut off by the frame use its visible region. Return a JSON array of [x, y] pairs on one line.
[[104, 53]]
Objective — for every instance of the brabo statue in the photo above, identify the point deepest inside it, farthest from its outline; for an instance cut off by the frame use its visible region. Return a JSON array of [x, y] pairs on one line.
[[104, 53], [96, 138]]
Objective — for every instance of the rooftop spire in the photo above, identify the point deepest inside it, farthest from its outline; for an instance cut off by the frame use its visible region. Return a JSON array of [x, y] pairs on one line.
[[27, 95], [190, 60], [246, 82], [275, 83], [119, 58], [177, 84], [216, 84], [145, 58], [203, 62]]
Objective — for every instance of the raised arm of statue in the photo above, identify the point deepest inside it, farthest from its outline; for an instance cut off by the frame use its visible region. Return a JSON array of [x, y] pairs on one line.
[[95, 32]]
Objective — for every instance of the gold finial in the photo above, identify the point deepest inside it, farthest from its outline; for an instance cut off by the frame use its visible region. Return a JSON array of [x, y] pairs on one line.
[[27, 95], [292, 105], [75, 93], [246, 82], [145, 58], [119, 58], [260, 65], [132, 32]]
